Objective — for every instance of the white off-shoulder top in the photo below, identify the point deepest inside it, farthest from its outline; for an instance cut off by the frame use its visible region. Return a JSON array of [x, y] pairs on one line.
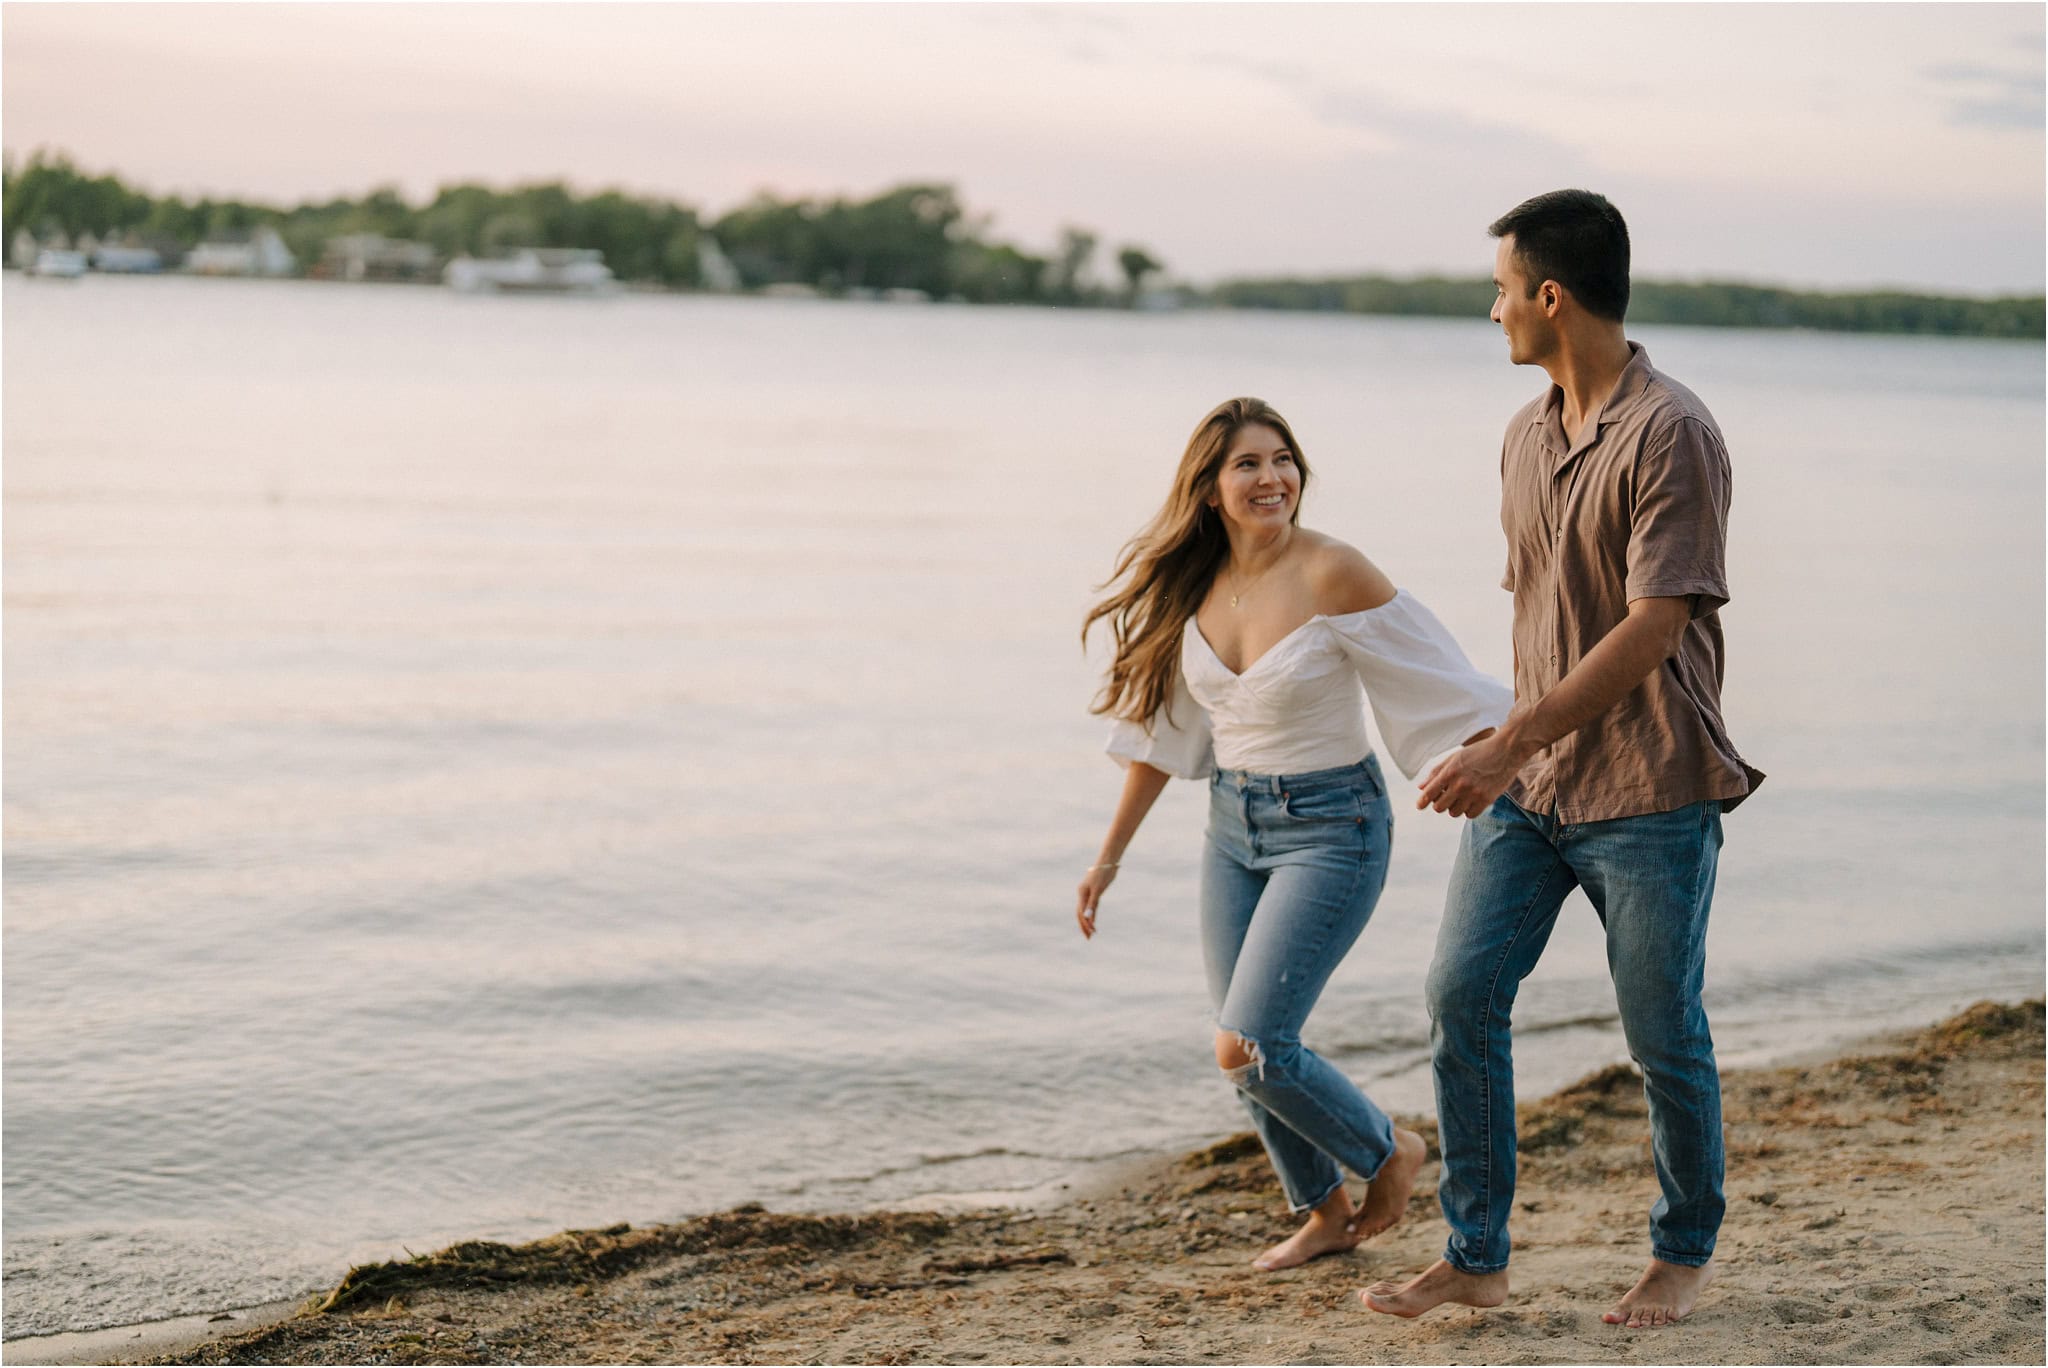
[[1296, 708]]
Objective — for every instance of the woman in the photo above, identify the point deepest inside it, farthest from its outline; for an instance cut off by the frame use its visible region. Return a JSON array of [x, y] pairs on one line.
[[1242, 639]]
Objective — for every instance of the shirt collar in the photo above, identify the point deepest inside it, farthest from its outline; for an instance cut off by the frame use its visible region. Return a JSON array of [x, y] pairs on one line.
[[1549, 415]]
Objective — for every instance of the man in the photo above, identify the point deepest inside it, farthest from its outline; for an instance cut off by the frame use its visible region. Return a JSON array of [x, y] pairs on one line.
[[1613, 770]]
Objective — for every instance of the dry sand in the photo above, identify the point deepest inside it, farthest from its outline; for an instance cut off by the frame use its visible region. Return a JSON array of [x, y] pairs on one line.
[[1884, 1207]]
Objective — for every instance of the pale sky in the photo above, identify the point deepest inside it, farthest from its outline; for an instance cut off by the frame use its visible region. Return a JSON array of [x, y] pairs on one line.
[[1826, 145]]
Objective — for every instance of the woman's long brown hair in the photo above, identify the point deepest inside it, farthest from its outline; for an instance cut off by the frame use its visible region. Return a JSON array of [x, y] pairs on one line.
[[1163, 573]]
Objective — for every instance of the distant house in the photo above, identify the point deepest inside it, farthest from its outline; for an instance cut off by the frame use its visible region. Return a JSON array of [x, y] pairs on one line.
[[369, 256], [258, 253], [549, 270], [54, 256]]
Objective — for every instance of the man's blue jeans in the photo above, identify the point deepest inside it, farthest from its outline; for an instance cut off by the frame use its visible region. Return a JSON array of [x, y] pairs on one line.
[[1650, 879]]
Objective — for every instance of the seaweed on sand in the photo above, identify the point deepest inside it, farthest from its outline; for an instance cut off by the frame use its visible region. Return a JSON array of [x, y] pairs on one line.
[[585, 1255], [1243, 1145], [1559, 1120], [1984, 1021]]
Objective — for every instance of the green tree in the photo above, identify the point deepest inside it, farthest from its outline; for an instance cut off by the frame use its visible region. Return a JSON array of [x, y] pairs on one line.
[[51, 195], [900, 239], [1136, 264], [996, 273], [770, 241], [453, 222], [1077, 245], [508, 230]]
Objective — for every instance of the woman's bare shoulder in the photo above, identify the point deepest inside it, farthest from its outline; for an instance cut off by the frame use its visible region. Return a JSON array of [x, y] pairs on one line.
[[1343, 579]]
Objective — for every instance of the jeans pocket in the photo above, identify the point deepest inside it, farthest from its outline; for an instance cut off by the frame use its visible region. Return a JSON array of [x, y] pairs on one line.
[[1338, 804]]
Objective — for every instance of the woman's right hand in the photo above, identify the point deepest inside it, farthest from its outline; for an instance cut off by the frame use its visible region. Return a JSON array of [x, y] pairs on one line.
[[1141, 786], [1094, 884]]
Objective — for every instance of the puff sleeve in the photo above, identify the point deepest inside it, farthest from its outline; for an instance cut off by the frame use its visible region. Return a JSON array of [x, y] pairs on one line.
[[1179, 744], [1425, 695]]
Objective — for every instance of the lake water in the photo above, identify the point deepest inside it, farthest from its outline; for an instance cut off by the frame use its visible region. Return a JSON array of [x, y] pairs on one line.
[[478, 766]]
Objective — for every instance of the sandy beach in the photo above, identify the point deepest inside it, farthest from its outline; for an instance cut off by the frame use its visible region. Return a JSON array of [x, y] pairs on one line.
[[1885, 1206]]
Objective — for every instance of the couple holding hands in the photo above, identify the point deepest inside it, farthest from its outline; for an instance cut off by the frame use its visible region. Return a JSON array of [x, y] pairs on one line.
[[1243, 640]]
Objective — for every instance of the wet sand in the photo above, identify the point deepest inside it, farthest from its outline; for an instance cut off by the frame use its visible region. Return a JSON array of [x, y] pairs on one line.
[[1884, 1207]]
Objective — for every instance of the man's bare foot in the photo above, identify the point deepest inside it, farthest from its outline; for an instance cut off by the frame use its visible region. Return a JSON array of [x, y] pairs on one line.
[[1332, 1228], [1664, 1295], [1386, 1197], [1439, 1283]]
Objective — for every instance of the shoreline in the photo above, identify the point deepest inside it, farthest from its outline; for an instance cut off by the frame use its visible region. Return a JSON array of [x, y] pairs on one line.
[[1884, 1206], [806, 293], [143, 1339]]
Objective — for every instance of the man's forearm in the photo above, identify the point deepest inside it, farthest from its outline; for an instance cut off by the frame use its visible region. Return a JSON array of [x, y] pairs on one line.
[[1625, 657]]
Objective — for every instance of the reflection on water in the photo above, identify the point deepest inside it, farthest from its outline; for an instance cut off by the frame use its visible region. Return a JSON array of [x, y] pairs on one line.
[[479, 766]]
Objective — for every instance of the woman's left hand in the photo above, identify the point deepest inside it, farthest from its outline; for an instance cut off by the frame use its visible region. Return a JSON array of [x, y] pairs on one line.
[[1094, 884]]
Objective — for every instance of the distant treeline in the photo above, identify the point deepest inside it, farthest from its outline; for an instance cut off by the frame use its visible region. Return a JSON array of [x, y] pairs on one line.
[[1717, 304], [913, 237]]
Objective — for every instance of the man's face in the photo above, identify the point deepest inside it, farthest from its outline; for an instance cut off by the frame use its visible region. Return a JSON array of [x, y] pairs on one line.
[[1531, 334]]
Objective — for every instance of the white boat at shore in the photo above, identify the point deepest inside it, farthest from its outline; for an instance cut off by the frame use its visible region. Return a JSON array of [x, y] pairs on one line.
[[61, 265], [535, 270], [122, 260]]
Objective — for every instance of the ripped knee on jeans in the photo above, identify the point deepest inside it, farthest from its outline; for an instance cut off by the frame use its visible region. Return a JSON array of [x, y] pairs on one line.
[[1238, 1055]]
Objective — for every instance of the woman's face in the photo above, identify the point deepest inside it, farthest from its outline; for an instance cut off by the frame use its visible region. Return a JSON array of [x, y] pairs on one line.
[[1259, 485]]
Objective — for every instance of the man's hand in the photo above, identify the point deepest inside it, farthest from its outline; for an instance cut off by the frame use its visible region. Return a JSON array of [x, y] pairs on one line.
[[1465, 782]]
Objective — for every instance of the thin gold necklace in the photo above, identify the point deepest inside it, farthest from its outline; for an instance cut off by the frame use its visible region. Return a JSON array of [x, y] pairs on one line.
[[1237, 592]]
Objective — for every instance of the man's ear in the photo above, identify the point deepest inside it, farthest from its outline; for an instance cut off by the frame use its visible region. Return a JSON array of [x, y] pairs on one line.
[[1550, 294]]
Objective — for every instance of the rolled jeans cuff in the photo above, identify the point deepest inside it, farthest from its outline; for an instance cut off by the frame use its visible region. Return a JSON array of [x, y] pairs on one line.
[[1328, 1193], [1682, 1260], [1451, 1258]]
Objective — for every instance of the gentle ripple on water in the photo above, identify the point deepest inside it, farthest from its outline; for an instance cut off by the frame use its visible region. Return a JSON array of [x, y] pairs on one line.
[[481, 766]]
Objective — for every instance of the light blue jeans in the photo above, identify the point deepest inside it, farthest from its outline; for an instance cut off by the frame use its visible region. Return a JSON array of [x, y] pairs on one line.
[[1292, 868], [1650, 880]]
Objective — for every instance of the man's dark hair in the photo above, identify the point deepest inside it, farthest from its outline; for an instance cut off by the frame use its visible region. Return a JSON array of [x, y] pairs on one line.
[[1577, 239]]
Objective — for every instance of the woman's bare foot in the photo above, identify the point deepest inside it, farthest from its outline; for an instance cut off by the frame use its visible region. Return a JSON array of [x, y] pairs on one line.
[[1386, 1197], [1336, 1225], [1664, 1295], [1439, 1283], [1332, 1228]]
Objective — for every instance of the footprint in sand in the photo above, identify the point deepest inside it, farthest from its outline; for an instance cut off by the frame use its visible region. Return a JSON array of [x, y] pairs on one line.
[[1796, 1311], [2001, 1345]]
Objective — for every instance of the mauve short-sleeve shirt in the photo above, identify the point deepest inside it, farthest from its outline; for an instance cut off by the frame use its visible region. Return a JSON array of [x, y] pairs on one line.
[[1637, 508]]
